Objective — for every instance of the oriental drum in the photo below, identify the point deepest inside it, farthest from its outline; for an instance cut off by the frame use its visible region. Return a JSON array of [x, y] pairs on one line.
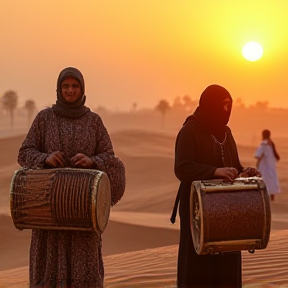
[[61, 199], [228, 217]]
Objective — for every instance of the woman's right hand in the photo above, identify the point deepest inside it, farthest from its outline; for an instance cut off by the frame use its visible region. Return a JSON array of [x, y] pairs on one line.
[[229, 173], [55, 159]]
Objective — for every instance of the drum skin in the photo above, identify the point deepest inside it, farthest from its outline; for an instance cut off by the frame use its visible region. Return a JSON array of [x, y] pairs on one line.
[[60, 199], [228, 217]]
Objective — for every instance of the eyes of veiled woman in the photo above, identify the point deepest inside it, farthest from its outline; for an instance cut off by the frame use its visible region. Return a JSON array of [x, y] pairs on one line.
[[227, 103]]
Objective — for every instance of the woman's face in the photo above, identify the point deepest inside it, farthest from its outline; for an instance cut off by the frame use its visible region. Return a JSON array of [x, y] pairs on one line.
[[71, 90]]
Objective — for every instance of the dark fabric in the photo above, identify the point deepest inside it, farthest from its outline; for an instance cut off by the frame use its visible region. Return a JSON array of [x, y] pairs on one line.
[[266, 136], [196, 158], [210, 111], [70, 110], [276, 155]]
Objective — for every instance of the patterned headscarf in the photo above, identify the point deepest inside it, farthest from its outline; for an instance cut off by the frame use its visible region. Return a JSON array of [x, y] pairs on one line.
[[65, 109]]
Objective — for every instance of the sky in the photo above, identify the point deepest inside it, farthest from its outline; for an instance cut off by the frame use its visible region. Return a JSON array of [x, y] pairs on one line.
[[143, 51]]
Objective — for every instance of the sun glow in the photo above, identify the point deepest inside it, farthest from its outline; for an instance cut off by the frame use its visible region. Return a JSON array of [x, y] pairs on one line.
[[252, 51]]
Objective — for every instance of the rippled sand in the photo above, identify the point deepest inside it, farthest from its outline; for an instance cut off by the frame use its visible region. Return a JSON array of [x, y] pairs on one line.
[[139, 243]]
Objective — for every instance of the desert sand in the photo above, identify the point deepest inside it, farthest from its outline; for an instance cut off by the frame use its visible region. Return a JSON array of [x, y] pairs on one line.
[[139, 243]]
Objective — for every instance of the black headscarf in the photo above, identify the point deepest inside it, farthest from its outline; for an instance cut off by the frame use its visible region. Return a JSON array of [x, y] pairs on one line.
[[65, 109], [211, 113]]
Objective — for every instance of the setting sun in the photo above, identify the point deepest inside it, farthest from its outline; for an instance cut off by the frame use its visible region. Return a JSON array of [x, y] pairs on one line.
[[146, 49], [252, 51]]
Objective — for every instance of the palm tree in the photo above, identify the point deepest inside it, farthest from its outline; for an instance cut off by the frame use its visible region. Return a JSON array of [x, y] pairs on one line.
[[177, 104], [163, 106], [9, 102], [134, 107], [188, 103], [30, 107]]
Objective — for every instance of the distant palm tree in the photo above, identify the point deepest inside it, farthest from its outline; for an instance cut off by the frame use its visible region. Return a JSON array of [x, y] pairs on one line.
[[9, 102], [163, 106], [30, 107], [189, 104], [134, 107], [177, 104]]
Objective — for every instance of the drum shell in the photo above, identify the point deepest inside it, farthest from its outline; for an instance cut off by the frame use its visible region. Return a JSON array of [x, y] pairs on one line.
[[60, 199], [229, 217]]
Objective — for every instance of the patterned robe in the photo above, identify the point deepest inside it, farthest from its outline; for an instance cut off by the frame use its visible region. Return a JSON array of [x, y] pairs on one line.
[[69, 258]]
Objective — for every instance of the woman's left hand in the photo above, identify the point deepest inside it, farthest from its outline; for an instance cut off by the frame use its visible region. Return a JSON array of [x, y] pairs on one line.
[[250, 172], [82, 161]]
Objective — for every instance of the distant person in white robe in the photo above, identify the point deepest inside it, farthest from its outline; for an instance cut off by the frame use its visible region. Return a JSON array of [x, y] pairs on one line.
[[267, 158]]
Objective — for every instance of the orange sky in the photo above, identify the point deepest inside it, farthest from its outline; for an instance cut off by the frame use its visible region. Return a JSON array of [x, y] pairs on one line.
[[144, 50]]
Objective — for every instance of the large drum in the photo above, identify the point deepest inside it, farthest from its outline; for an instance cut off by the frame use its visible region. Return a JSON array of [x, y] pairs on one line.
[[228, 217], [60, 198]]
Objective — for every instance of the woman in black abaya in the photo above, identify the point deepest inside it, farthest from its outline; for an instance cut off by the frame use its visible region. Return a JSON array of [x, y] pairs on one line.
[[205, 149]]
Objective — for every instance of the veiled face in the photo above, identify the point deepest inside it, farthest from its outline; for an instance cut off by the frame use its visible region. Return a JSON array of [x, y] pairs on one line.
[[216, 104], [71, 90]]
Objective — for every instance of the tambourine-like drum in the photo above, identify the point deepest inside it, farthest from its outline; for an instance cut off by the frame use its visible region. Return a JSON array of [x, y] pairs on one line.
[[228, 217], [61, 199]]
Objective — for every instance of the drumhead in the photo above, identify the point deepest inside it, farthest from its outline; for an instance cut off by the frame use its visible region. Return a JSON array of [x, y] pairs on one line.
[[102, 202], [196, 217]]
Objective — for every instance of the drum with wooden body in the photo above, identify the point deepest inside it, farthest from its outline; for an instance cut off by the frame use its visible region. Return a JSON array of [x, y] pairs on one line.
[[61, 199], [228, 217]]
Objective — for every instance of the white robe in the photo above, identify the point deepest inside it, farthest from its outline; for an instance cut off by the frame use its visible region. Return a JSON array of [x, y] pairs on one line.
[[267, 167]]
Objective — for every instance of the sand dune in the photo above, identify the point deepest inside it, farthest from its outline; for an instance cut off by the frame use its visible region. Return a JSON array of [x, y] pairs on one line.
[[157, 267], [145, 253], [264, 267]]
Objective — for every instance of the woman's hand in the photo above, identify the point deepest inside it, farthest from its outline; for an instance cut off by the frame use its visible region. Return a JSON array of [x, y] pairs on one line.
[[82, 161], [229, 173], [55, 159], [250, 172]]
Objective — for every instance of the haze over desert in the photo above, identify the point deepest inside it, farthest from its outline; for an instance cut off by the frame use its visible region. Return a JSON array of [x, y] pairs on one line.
[[145, 65], [139, 243]]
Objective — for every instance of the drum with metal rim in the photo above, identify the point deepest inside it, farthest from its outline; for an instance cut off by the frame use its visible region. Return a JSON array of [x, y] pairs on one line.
[[228, 217]]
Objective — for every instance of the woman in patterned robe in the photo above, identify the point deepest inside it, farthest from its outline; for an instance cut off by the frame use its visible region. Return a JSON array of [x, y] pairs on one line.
[[69, 135]]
